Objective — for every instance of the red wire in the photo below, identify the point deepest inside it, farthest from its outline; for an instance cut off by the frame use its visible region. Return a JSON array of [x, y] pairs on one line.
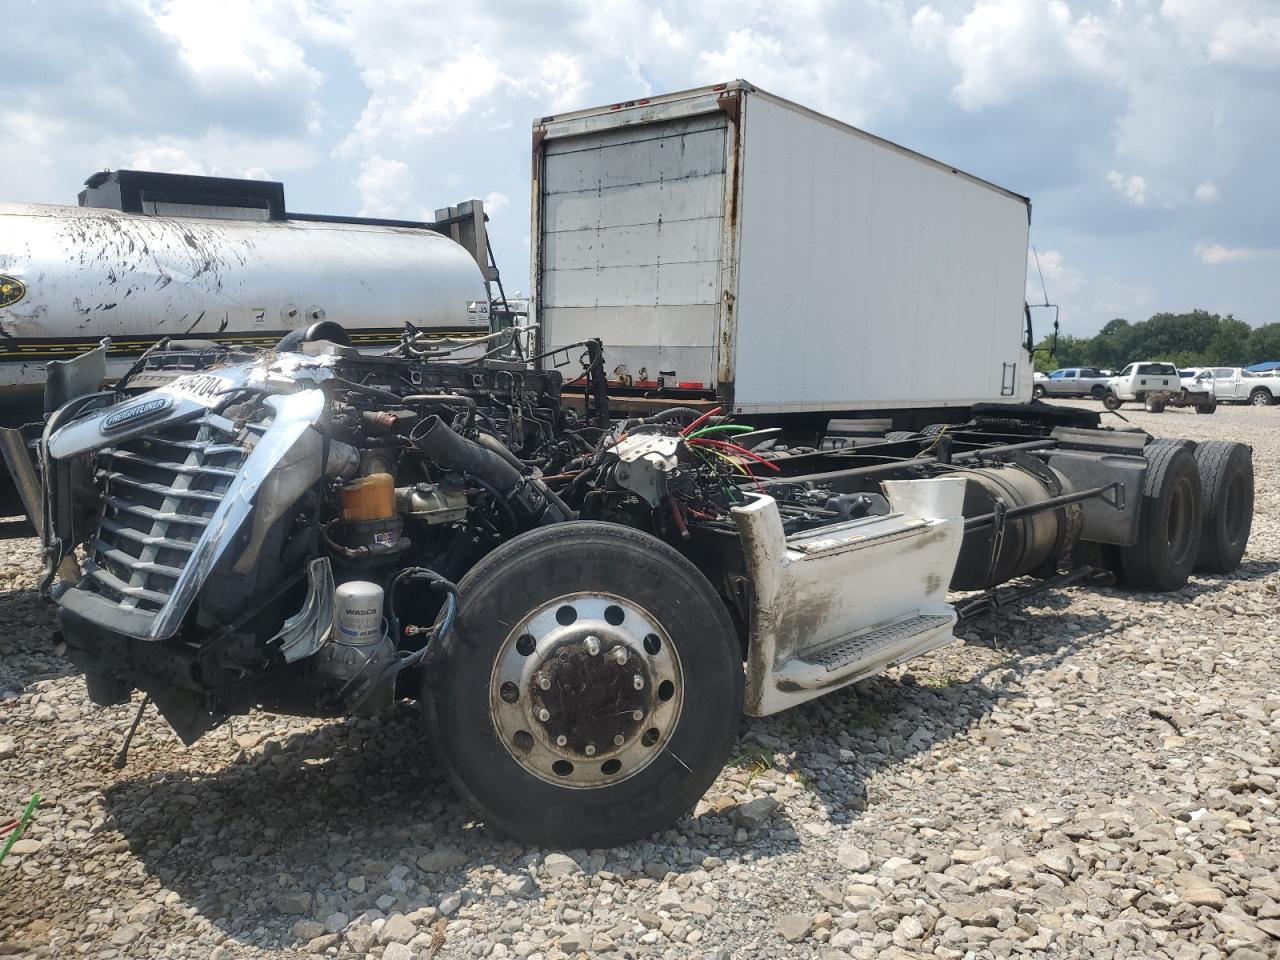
[[740, 451], [702, 419]]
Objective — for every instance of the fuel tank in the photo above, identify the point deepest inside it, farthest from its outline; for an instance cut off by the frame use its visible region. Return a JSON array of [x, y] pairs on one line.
[[70, 276], [1030, 544]]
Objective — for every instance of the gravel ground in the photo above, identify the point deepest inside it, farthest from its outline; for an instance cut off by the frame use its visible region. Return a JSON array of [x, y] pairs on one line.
[[1093, 774]]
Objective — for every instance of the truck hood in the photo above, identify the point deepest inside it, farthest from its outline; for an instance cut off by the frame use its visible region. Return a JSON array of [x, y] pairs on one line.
[[185, 398]]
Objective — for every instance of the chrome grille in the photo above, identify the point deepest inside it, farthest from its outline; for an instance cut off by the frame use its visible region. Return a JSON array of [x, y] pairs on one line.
[[159, 492]]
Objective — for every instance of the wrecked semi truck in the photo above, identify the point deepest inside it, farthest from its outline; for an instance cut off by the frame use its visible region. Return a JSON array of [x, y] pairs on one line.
[[586, 599]]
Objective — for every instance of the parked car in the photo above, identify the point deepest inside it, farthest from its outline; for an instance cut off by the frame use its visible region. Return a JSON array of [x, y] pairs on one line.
[[1236, 385], [1072, 382], [1156, 385]]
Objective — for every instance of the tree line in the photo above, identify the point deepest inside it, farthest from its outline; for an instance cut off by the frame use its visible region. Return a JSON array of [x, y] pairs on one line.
[[1195, 339]]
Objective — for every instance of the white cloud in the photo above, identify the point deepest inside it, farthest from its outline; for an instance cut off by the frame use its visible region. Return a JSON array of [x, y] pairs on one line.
[[1132, 187], [234, 42], [1060, 280], [1003, 48], [495, 201], [1206, 192], [1239, 32], [385, 187], [217, 153], [1215, 254]]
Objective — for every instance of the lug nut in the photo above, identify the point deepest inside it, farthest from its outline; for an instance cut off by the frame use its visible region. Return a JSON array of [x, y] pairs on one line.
[[619, 739], [619, 655], [544, 714], [637, 714], [638, 682], [590, 750], [561, 740], [544, 682], [593, 645]]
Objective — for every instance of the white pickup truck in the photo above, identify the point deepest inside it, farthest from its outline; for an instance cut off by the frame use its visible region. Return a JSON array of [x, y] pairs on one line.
[[1237, 385], [1157, 385]]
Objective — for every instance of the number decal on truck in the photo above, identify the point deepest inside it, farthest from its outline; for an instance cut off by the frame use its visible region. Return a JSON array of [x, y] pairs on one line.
[[203, 388]]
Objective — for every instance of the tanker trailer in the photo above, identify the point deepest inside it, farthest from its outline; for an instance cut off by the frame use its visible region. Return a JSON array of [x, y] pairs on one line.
[[153, 256]]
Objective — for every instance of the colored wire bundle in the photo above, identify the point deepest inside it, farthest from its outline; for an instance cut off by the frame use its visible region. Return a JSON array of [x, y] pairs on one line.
[[710, 441]]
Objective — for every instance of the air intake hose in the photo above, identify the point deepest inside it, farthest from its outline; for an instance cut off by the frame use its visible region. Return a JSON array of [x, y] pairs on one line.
[[529, 496], [453, 451]]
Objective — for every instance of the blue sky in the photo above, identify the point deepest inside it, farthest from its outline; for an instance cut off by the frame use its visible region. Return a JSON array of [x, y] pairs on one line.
[[1146, 132]]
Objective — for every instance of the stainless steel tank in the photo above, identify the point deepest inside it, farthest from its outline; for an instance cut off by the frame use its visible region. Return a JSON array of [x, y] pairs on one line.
[[70, 276]]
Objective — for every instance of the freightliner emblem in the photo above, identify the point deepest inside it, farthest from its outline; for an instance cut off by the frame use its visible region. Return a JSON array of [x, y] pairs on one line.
[[135, 411]]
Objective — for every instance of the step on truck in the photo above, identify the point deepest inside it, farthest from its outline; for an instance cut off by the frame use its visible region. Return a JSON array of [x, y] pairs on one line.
[[586, 586]]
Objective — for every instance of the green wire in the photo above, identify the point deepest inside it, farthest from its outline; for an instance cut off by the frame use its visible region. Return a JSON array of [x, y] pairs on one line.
[[722, 428], [21, 828]]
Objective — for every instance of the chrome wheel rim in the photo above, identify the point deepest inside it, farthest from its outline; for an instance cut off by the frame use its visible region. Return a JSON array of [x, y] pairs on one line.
[[586, 690]]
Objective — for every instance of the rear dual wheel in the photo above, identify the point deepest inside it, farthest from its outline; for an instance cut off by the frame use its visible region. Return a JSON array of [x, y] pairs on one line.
[[1226, 487], [591, 690], [1169, 521]]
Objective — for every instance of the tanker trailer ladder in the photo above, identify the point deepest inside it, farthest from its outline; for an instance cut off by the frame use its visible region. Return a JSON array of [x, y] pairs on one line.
[[991, 598]]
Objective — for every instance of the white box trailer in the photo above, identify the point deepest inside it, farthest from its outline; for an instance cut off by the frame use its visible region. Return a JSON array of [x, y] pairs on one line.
[[728, 241]]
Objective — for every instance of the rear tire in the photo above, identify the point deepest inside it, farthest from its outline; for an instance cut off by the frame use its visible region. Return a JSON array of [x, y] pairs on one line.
[[1169, 524], [1226, 486], [1097, 392], [1207, 406], [1037, 392], [1260, 398], [507, 765]]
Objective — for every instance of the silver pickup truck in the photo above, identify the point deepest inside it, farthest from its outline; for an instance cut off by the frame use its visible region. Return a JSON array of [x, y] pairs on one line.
[[1235, 385], [1072, 382]]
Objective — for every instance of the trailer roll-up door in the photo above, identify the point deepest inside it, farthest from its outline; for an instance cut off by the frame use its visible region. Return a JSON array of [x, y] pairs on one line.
[[632, 220], [729, 241]]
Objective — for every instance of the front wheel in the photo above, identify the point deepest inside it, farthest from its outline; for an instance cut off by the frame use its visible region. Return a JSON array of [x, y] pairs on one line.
[[1110, 400], [1260, 398], [591, 690]]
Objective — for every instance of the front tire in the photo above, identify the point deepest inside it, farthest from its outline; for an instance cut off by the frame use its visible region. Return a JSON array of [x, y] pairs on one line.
[[1226, 486], [1169, 523], [1111, 401], [557, 627]]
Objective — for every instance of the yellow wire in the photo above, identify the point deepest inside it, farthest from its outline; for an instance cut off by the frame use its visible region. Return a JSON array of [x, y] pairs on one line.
[[932, 445], [733, 463]]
